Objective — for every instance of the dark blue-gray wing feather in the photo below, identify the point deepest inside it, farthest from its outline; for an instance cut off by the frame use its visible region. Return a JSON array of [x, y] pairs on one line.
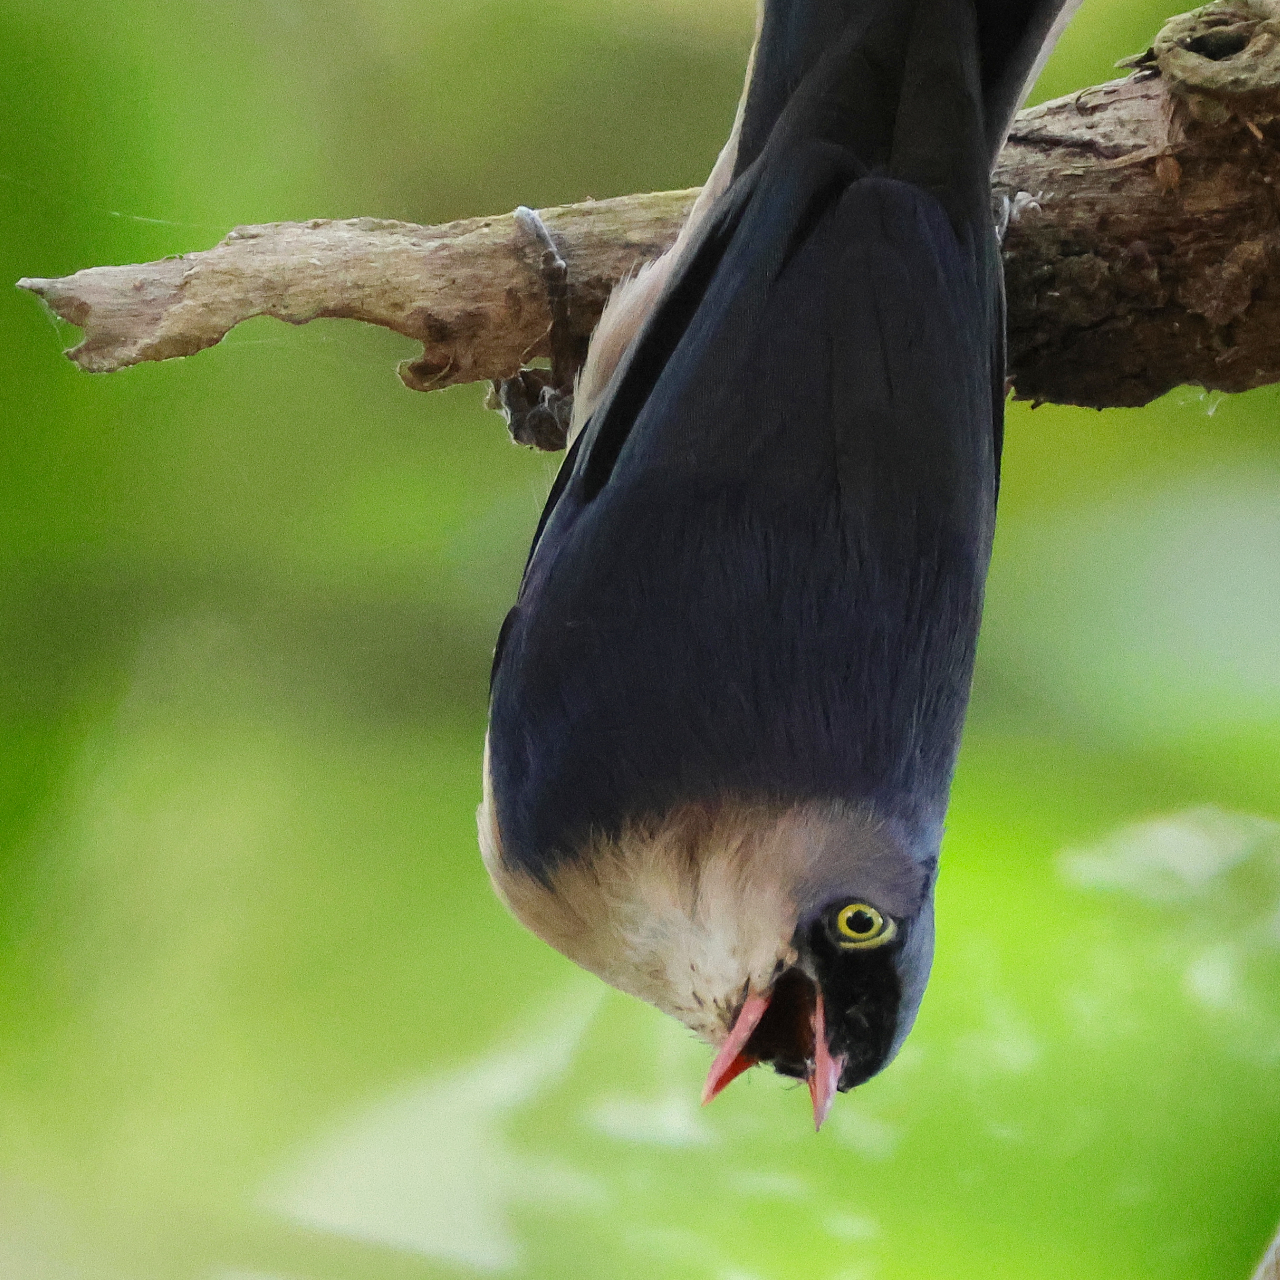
[[795, 34], [770, 584], [760, 572]]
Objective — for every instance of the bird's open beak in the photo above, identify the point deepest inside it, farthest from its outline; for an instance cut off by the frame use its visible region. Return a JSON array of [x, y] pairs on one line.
[[736, 1054], [826, 1069], [733, 1060]]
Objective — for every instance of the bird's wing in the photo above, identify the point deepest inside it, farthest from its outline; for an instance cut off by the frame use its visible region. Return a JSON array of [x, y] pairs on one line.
[[761, 570], [768, 584], [839, 122]]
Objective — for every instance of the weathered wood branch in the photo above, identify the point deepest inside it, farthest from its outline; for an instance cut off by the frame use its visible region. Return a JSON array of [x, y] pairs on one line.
[[470, 291], [1153, 259], [1142, 253]]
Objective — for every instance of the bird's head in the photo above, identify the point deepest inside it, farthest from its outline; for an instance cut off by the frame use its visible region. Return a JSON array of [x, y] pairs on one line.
[[797, 938]]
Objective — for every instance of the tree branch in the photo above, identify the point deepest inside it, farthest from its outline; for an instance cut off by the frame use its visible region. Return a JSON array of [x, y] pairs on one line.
[[1142, 251], [470, 291], [1151, 260]]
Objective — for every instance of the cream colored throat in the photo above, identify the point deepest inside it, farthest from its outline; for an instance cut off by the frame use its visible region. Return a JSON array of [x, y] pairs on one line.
[[689, 913]]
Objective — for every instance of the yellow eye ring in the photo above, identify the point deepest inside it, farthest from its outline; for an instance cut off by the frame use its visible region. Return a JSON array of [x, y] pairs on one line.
[[859, 926]]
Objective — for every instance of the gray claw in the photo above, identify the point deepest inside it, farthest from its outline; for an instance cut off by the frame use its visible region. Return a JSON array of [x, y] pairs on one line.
[[538, 404]]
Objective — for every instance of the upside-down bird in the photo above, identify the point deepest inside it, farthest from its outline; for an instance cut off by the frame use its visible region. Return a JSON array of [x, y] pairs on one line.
[[727, 704]]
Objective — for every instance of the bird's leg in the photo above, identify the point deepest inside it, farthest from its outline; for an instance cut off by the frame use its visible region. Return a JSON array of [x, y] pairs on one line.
[[538, 403]]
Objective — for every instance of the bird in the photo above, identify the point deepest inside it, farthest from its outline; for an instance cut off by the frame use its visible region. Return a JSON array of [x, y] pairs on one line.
[[726, 706]]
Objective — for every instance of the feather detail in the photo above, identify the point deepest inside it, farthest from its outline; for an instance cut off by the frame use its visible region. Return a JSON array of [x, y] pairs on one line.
[[694, 910]]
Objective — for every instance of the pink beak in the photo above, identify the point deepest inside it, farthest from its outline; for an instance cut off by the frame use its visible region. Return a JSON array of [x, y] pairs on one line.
[[731, 1061], [733, 1058], [826, 1069]]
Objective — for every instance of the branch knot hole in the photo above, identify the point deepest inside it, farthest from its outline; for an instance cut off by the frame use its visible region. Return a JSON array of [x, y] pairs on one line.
[[1223, 61], [1220, 44]]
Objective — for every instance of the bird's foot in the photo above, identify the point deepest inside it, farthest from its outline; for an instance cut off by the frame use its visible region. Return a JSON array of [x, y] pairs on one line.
[[538, 403], [537, 412], [1012, 211]]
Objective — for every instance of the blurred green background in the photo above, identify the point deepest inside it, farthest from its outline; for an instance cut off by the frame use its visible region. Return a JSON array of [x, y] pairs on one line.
[[260, 1016]]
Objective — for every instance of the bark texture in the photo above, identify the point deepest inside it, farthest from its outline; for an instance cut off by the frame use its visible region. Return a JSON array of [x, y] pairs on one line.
[[471, 291], [1142, 252], [1148, 257]]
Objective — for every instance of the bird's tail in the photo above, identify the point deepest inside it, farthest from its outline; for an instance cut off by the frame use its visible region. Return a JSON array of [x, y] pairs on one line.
[[921, 91], [895, 43]]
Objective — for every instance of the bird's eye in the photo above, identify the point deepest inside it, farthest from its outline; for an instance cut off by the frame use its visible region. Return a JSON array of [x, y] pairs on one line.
[[860, 925]]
